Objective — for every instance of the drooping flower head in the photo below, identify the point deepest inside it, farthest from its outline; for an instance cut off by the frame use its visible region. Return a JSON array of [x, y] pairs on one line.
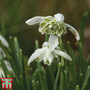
[[53, 25], [48, 52], [8, 65], [4, 41], [3, 55]]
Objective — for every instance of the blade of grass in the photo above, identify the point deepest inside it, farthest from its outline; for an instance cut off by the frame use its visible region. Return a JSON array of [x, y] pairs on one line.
[[23, 72], [72, 66], [14, 60], [57, 77], [81, 61], [86, 80], [77, 87], [63, 85], [17, 47], [6, 72]]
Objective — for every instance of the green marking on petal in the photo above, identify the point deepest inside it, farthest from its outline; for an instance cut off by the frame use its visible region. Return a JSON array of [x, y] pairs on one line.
[[48, 19], [47, 62], [42, 24], [37, 59], [50, 26]]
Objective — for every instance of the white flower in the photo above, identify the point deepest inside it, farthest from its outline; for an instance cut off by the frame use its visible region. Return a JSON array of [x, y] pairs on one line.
[[48, 52], [53, 25], [8, 65], [2, 53], [5, 43]]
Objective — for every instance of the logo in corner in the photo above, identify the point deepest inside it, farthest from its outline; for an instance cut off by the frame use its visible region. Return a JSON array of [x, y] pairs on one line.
[[6, 83]]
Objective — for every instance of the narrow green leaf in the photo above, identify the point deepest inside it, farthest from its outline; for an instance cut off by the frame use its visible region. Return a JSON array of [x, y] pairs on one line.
[[88, 60], [77, 87], [16, 44], [6, 72], [72, 64], [34, 85], [40, 75], [36, 44], [43, 80], [50, 76], [81, 61], [14, 60], [46, 37], [86, 79], [57, 77], [17, 47], [63, 85], [23, 72]]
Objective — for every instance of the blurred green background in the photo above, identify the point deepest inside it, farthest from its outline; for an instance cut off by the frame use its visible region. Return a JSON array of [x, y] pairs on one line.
[[14, 13]]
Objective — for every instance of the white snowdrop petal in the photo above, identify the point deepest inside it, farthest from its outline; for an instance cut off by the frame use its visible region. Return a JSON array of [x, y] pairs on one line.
[[63, 54], [37, 54], [4, 41], [73, 30], [43, 54], [46, 55], [34, 20], [48, 61], [59, 17], [53, 42], [2, 53], [50, 58], [1, 73], [34, 55], [8, 65], [45, 44]]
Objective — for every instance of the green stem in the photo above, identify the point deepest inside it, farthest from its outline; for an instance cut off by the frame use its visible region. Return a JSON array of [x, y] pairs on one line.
[[63, 85], [62, 48], [57, 77], [77, 87]]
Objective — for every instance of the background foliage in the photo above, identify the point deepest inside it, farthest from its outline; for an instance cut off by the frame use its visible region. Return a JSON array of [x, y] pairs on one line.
[[14, 13], [75, 75]]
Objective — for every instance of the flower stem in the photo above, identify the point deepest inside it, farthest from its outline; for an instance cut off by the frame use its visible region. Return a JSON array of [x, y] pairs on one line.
[[57, 77], [62, 48]]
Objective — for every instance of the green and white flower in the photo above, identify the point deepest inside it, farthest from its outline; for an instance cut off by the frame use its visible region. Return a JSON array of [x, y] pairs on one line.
[[48, 52], [3, 55], [8, 65], [5, 43], [52, 25]]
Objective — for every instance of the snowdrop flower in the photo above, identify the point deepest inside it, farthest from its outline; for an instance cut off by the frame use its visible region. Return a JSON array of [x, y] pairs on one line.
[[8, 67], [48, 52], [5, 43], [3, 55], [53, 25]]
